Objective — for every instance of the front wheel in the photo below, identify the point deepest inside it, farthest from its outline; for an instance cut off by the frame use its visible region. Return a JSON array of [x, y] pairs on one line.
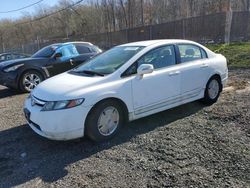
[[212, 92], [29, 80], [104, 121]]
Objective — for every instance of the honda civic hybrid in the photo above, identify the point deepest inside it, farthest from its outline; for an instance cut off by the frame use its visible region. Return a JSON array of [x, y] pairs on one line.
[[125, 83]]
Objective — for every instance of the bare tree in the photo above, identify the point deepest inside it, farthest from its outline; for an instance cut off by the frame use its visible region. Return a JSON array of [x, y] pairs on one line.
[[102, 16]]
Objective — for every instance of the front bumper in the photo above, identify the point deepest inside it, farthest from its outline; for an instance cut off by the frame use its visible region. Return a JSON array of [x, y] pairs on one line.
[[9, 79], [65, 124], [224, 79]]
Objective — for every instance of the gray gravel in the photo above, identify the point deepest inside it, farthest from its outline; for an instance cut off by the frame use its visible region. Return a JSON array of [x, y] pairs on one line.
[[188, 146]]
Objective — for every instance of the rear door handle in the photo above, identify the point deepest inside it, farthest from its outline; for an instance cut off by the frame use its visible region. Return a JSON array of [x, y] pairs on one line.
[[174, 73]]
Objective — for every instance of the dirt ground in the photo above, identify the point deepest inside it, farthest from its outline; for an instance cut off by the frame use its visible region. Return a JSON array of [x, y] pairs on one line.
[[188, 146]]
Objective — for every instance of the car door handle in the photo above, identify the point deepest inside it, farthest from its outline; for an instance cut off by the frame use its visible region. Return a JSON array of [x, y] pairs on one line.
[[71, 61], [174, 73], [204, 65]]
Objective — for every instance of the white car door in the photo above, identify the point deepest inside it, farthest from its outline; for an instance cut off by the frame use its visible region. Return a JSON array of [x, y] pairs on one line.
[[162, 87], [194, 70]]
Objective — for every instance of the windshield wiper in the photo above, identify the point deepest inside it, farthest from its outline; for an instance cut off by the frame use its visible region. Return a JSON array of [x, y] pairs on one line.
[[89, 72]]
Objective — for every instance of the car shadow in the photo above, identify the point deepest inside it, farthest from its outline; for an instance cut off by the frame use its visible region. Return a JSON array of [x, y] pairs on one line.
[[7, 92], [25, 156]]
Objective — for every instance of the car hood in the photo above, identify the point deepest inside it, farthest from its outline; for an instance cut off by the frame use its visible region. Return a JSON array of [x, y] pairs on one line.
[[17, 61], [65, 86]]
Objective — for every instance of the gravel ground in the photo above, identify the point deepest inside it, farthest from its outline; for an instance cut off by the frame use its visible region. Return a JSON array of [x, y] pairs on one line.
[[188, 146]]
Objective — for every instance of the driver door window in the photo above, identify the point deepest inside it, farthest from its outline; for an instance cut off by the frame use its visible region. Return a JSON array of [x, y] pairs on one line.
[[160, 58], [66, 62], [68, 51]]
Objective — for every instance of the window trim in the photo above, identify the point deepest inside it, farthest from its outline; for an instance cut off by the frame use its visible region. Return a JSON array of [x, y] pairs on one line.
[[200, 49], [206, 56], [136, 61]]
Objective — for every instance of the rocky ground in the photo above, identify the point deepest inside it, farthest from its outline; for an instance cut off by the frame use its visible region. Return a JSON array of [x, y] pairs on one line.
[[188, 146]]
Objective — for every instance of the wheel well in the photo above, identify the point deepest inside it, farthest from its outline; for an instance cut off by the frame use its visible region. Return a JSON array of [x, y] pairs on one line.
[[219, 78], [123, 105], [27, 70]]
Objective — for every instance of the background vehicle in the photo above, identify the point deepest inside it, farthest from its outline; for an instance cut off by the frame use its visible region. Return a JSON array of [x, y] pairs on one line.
[[25, 74], [128, 82], [10, 56]]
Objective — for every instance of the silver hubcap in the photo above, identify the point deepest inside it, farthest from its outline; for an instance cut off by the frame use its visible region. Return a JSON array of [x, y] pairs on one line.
[[108, 121], [213, 89], [30, 81]]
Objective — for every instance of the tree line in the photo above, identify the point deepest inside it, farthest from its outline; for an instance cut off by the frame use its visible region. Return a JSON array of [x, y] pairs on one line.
[[99, 16]]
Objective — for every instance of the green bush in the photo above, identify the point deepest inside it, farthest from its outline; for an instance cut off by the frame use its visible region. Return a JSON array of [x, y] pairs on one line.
[[237, 54]]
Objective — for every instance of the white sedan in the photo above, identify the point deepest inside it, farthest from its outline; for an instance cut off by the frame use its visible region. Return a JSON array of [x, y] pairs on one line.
[[125, 83]]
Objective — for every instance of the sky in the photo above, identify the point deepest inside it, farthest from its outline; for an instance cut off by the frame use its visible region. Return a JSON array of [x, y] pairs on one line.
[[8, 5]]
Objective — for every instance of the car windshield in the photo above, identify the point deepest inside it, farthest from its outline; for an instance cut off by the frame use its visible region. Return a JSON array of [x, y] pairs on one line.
[[46, 51], [109, 61]]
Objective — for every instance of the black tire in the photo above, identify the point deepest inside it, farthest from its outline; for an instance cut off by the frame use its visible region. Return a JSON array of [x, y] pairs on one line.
[[91, 125], [22, 85], [208, 99]]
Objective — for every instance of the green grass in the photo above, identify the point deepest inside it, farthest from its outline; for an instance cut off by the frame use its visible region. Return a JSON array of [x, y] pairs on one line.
[[237, 54]]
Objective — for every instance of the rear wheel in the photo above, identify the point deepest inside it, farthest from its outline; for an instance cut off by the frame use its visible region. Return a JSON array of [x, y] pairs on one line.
[[104, 120], [29, 80], [213, 90]]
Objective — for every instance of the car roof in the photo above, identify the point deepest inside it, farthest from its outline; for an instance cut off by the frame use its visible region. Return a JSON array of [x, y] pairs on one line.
[[152, 42], [75, 42], [55, 44], [78, 42]]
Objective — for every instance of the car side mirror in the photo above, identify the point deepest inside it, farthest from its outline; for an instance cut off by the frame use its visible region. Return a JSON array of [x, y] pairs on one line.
[[58, 55], [145, 69]]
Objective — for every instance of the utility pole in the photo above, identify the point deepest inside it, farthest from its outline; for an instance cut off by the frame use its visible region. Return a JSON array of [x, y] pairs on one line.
[[229, 18], [142, 12]]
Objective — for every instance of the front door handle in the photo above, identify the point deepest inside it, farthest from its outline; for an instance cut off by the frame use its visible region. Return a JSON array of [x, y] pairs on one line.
[[71, 61], [174, 73]]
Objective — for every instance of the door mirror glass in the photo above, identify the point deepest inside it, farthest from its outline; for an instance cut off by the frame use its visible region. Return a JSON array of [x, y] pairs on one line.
[[145, 69], [58, 55]]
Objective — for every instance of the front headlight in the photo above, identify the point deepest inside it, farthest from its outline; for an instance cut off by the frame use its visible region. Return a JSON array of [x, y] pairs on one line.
[[59, 105], [13, 68]]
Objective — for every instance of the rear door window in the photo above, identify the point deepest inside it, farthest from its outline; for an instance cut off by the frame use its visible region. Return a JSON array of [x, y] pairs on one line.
[[189, 52], [82, 49]]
